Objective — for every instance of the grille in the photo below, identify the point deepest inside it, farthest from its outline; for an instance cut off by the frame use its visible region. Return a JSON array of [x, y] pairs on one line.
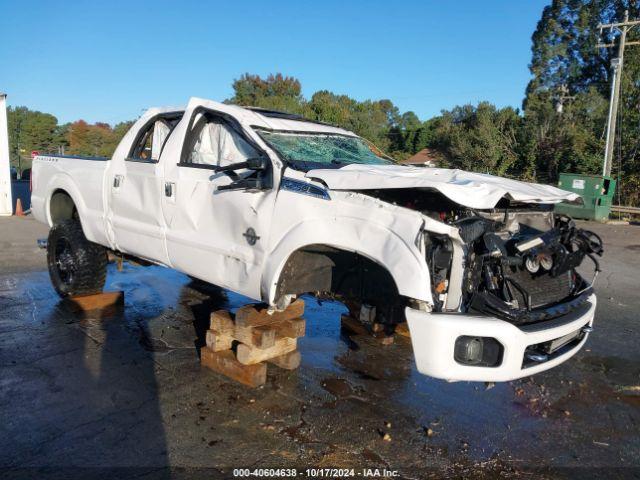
[[543, 288]]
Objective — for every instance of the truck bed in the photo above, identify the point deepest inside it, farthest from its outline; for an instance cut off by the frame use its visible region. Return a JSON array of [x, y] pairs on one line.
[[82, 178]]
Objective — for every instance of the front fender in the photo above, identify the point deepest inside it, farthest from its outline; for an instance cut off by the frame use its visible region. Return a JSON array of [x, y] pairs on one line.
[[377, 242]]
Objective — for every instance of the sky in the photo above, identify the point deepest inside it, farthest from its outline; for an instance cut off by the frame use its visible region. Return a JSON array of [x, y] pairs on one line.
[[109, 60]]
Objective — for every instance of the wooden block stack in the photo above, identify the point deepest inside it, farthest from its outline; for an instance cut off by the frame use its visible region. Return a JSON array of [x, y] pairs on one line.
[[239, 347], [359, 331], [375, 331]]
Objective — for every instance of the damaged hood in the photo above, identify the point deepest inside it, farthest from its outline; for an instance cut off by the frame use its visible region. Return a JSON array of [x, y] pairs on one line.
[[474, 190]]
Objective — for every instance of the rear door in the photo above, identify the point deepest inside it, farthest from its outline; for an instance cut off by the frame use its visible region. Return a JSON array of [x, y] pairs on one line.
[[136, 192]]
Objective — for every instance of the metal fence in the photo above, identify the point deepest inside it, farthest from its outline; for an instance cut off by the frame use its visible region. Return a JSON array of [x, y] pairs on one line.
[[621, 209]]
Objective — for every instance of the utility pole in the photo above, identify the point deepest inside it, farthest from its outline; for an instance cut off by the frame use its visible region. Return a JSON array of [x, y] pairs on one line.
[[616, 65]]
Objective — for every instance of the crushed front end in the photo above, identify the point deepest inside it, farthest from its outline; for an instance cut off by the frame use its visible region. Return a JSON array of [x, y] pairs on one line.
[[517, 305], [524, 269]]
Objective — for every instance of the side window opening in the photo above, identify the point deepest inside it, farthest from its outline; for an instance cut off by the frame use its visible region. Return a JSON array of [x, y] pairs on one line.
[[151, 142], [218, 144], [142, 149], [214, 141]]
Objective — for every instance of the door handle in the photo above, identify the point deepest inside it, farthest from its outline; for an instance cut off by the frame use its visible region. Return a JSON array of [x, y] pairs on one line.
[[169, 188], [117, 180]]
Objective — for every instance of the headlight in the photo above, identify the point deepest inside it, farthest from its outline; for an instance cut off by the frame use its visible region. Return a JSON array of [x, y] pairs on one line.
[[546, 261], [532, 264]]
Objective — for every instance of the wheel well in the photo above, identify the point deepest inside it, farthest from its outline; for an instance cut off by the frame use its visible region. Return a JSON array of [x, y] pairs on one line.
[[61, 207], [347, 276]]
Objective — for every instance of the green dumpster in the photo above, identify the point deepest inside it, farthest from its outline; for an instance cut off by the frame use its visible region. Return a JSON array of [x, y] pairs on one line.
[[596, 192]]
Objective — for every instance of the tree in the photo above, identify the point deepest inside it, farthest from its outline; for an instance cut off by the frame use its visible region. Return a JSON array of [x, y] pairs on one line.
[[564, 56], [98, 140], [78, 137], [481, 138], [28, 131], [404, 137], [274, 92]]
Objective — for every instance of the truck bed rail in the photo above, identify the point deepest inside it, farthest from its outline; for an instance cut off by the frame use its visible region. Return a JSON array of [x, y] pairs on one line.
[[75, 157]]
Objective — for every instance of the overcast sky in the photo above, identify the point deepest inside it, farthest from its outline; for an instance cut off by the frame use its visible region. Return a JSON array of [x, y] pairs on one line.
[[109, 60]]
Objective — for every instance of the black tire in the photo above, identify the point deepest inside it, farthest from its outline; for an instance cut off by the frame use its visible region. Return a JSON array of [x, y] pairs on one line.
[[76, 265]]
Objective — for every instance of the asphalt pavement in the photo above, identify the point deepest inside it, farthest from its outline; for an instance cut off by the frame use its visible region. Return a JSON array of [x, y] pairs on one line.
[[124, 396]]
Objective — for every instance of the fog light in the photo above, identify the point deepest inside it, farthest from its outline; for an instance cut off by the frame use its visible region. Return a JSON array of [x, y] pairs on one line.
[[478, 351], [468, 350]]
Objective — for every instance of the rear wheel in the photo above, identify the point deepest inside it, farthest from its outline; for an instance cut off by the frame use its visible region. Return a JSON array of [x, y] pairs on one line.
[[76, 265]]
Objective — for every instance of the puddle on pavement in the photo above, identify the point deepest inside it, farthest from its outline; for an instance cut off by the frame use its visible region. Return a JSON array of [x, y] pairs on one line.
[[159, 301], [165, 310]]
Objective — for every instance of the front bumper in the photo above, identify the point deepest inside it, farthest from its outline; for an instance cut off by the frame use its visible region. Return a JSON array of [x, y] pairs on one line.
[[433, 336]]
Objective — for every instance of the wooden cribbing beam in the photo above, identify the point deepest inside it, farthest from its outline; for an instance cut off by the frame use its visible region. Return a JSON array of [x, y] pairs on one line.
[[403, 330], [358, 331], [225, 363], [251, 316], [248, 355], [288, 361], [293, 328], [260, 337], [218, 342], [98, 301], [350, 324]]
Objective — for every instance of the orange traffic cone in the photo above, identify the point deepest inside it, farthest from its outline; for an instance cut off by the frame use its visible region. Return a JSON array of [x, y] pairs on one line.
[[19, 211]]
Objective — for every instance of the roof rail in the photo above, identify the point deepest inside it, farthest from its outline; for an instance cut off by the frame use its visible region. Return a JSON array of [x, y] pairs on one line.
[[267, 112]]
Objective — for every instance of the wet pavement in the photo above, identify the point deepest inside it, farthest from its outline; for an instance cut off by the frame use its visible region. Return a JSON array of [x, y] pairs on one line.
[[125, 396]]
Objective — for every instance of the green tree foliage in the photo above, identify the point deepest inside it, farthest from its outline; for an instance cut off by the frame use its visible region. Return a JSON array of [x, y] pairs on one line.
[[369, 119], [565, 57], [379, 121], [36, 131], [275, 92], [28, 131], [481, 138]]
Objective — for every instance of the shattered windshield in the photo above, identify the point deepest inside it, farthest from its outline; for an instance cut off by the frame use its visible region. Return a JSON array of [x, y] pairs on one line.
[[323, 149]]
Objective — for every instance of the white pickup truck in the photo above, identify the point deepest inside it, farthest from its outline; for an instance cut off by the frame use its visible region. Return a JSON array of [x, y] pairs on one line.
[[271, 205]]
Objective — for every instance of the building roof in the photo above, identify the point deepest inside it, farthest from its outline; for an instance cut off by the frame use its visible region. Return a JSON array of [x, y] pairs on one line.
[[426, 156]]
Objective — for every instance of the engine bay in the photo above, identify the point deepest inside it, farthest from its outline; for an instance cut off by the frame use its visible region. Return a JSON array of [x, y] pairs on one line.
[[521, 260], [520, 266]]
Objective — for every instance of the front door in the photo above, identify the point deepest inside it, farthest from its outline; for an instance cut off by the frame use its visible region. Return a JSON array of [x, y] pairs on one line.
[[216, 235]]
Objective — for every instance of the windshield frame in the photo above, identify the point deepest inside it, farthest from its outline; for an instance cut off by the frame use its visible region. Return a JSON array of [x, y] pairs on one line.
[[305, 166]]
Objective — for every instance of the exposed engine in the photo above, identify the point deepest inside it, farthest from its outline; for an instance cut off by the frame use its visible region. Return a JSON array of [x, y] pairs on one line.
[[520, 259], [520, 266]]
